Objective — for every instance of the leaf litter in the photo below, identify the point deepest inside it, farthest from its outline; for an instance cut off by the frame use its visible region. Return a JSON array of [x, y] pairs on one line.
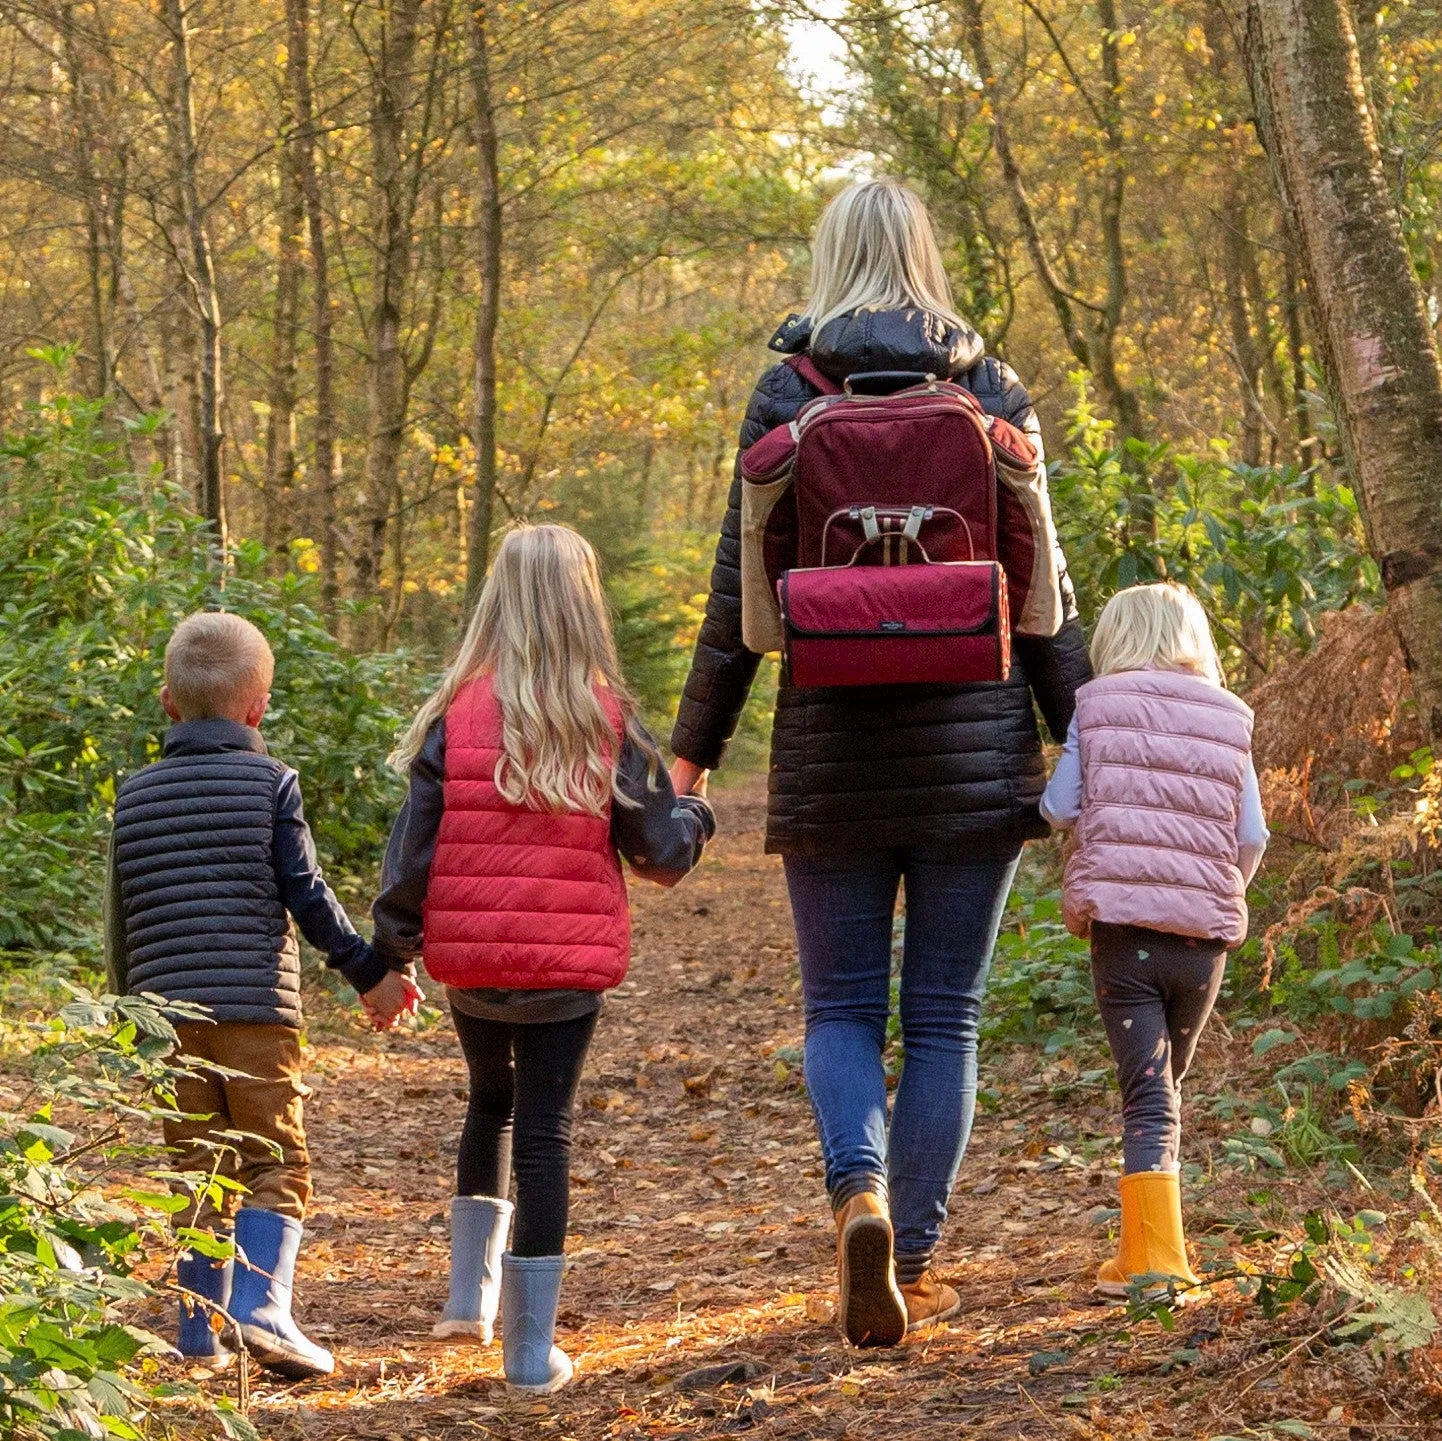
[[699, 1300]]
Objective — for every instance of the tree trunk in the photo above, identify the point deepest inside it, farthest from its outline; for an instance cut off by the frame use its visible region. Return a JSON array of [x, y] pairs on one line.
[[488, 262], [387, 387], [200, 278], [1372, 327], [1113, 199], [1260, 303], [324, 450], [1244, 344], [280, 423], [1296, 356], [97, 249], [1092, 344]]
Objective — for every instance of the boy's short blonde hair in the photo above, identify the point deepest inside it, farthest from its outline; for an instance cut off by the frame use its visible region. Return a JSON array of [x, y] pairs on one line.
[[216, 662], [1161, 625]]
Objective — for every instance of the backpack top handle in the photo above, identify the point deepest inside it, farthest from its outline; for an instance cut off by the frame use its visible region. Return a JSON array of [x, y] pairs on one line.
[[885, 382]]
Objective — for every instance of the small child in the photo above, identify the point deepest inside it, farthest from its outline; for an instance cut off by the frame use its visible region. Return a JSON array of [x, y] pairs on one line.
[[1157, 784], [528, 773], [209, 852]]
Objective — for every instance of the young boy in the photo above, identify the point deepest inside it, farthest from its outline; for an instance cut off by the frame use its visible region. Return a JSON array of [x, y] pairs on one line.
[[210, 851]]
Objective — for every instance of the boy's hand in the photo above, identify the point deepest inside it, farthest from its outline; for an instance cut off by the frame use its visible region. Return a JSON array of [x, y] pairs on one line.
[[396, 996]]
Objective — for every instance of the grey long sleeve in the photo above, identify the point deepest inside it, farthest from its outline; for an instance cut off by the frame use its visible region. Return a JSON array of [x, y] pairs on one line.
[[1061, 805]]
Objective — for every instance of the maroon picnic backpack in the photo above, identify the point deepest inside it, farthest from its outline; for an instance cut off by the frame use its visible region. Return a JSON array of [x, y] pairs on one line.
[[870, 540]]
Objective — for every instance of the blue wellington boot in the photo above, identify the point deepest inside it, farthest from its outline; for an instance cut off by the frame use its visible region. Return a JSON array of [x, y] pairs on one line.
[[266, 1245], [198, 1340], [530, 1297], [480, 1226]]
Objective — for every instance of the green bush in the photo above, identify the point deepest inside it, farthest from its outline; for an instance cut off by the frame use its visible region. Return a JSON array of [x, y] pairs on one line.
[[1266, 548], [1040, 988], [97, 564], [71, 1366]]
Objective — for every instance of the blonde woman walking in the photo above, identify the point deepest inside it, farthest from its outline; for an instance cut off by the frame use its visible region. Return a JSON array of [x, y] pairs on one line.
[[933, 785], [529, 772]]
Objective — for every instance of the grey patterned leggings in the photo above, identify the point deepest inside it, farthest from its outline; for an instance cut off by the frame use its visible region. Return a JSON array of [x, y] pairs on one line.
[[1155, 992]]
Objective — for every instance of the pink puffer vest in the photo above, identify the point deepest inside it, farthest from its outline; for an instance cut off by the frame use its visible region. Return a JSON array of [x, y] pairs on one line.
[[519, 899], [1163, 759]]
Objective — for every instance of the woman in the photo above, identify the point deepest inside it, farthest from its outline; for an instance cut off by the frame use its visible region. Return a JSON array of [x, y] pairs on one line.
[[936, 785]]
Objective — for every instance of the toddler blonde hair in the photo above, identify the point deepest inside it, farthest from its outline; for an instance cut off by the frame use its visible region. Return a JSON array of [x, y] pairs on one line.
[[216, 662], [541, 631], [1161, 625]]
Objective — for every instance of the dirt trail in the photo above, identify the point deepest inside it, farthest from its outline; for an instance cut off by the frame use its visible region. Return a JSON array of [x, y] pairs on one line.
[[698, 1301]]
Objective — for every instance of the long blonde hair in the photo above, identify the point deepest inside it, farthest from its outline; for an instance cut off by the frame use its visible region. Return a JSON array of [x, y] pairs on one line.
[[1161, 625], [875, 250], [542, 633]]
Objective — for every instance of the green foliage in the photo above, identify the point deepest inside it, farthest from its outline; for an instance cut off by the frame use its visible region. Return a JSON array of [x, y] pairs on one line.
[[70, 1367], [97, 564], [1040, 989], [1267, 549]]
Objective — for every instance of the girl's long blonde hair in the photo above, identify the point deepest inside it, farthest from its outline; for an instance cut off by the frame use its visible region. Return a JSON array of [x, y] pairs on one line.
[[1161, 625], [541, 631], [875, 250]]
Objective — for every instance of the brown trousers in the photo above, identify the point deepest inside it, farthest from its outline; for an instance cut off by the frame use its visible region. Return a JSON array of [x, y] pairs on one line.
[[270, 1160]]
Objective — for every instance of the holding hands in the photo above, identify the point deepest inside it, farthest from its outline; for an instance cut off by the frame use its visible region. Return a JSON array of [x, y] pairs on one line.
[[395, 997], [687, 778]]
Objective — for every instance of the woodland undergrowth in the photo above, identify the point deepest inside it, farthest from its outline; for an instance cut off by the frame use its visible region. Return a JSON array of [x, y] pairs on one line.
[[1337, 997]]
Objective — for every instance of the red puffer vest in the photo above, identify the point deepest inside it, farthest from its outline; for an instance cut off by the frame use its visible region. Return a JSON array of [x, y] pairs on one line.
[[519, 899]]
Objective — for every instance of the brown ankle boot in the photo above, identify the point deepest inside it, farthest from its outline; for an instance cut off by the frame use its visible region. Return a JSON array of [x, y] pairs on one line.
[[872, 1311], [929, 1301]]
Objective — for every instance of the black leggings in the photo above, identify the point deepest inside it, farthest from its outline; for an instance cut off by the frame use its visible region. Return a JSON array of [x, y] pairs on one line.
[[523, 1092], [1155, 992]]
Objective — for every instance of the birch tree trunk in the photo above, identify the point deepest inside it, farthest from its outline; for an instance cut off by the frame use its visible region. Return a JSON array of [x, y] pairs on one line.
[[1371, 320], [324, 451], [488, 242], [200, 279]]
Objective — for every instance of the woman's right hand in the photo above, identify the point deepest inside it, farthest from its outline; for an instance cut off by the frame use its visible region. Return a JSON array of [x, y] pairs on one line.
[[687, 778]]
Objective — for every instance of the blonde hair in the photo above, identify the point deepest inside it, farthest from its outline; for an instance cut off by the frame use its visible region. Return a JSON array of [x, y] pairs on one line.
[[1161, 625], [216, 662], [542, 633], [875, 250]]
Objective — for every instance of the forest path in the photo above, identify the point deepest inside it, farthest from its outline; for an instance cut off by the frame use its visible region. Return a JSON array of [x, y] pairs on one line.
[[702, 1247]]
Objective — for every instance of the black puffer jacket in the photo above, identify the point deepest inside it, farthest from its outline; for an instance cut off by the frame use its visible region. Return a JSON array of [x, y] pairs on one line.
[[861, 768]]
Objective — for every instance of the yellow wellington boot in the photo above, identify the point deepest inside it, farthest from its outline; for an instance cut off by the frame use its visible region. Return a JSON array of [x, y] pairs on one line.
[[1152, 1242], [872, 1310]]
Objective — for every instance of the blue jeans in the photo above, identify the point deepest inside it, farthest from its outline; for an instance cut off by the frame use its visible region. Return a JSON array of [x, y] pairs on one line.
[[844, 907]]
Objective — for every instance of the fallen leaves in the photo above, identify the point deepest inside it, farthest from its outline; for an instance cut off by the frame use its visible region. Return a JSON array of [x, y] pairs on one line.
[[700, 1296]]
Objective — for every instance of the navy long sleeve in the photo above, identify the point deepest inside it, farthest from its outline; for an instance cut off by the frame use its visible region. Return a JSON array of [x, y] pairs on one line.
[[304, 893]]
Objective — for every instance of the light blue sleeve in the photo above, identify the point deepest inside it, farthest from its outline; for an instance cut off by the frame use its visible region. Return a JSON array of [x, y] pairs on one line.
[[1252, 832], [1061, 802]]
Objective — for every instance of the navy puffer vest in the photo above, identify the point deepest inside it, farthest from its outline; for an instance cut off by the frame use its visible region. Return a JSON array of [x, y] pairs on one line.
[[194, 847]]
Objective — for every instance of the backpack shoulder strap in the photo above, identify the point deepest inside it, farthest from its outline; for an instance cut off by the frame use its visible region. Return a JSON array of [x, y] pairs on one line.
[[805, 367]]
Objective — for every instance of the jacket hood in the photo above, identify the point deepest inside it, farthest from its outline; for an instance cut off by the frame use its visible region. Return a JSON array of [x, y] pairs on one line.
[[883, 340], [214, 733]]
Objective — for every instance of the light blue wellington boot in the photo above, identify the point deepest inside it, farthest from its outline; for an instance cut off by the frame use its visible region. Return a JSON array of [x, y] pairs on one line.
[[266, 1245], [480, 1228], [530, 1296], [198, 1339]]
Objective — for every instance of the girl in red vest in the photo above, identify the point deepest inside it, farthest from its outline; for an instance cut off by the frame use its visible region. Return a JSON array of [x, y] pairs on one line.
[[1157, 786], [529, 772]]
